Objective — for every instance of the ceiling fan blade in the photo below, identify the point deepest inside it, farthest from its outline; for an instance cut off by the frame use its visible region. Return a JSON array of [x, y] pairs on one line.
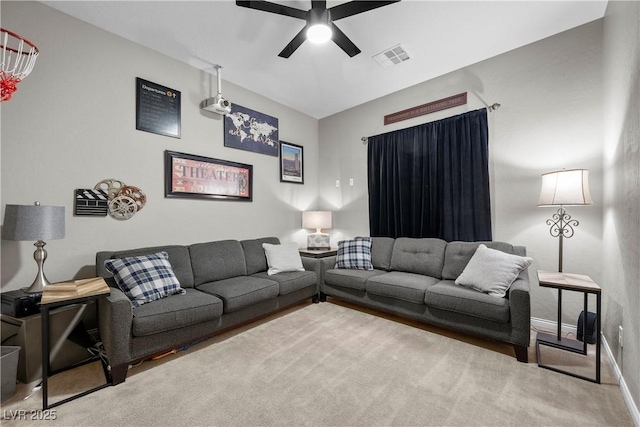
[[279, 9], [354, 7], [343, 41], [294, 43]]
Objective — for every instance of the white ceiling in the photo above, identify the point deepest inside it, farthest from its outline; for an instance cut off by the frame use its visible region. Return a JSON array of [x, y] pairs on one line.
[[321, 80]]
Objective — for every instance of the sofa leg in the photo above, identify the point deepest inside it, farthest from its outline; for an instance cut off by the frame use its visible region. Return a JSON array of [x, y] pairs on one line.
[[323, 297], [119, 373], [315, 299], [522, 353]]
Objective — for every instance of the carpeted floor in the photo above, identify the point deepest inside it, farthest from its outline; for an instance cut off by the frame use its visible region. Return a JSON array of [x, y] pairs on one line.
[[330, 365]]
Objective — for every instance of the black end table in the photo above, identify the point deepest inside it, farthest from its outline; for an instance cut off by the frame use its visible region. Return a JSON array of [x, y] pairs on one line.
[[578, 283]]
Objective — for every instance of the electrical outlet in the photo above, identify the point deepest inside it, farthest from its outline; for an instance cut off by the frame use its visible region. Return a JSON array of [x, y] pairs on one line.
[[620, 340], [337, 183], [351, 182]]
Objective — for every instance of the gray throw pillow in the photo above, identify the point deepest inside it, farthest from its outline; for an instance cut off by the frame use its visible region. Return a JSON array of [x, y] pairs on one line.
[[492, 271]]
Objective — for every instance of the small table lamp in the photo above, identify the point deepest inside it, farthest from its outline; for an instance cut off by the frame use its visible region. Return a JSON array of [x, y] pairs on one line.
[[317, 220], [34, 222], [564, 188]]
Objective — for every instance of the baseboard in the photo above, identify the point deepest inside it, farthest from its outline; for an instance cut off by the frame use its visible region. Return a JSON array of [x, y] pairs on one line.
[[626, 394], [549, 325]]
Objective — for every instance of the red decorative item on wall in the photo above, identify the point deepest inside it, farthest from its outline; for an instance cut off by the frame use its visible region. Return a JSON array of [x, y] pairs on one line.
[[18, 56], [431, 107]]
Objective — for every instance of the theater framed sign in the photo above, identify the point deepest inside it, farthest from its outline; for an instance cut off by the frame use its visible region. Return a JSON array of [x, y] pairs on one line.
[[199, 177]]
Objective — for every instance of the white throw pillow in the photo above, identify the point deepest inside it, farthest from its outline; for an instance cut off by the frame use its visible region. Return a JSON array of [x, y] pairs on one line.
[[281, 258], [492, 271]]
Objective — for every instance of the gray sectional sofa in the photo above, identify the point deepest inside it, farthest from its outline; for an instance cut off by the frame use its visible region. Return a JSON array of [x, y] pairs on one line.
[[415, 278], [226, 284]]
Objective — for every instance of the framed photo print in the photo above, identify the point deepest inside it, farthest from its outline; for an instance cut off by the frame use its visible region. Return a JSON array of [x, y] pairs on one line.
[[198, 177], [291, 163]]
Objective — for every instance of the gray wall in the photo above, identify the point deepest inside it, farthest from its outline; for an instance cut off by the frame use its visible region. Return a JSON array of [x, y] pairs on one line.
[[551, 118], [72, 124], [621, 241]]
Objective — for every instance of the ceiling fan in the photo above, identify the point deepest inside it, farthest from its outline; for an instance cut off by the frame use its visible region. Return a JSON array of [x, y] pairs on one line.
[[320, 21]]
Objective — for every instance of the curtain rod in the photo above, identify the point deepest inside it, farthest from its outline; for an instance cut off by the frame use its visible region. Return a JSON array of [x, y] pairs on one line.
[[491, 108]]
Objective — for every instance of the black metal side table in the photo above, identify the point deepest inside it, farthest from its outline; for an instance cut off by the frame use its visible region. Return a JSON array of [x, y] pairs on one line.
[[579, 283], [55, 296]]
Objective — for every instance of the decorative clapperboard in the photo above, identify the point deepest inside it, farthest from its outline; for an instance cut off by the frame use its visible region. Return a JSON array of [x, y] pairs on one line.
[[91, 202]]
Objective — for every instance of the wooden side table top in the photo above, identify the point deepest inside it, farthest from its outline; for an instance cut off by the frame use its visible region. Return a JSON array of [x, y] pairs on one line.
[[75, 290], [577, 282], [318, 253]]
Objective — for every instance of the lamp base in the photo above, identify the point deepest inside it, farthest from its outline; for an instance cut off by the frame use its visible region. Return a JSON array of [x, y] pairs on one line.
[[40, 255], [318, 241]]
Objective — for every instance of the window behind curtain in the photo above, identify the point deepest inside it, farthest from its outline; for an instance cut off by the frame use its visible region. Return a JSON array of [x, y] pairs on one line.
[[432, 180]]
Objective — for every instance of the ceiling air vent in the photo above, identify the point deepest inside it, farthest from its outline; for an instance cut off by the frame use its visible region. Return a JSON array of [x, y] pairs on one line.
[[392, 56]]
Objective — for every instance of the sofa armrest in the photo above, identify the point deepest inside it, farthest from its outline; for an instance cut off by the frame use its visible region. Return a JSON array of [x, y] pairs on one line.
[[520, 308], [313, 264], [327, 263], [115, 323]]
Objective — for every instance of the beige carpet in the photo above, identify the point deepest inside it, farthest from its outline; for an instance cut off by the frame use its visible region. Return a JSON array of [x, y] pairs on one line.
[[328, 365]]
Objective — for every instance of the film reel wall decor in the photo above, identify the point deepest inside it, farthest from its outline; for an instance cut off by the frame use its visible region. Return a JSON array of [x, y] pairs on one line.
[[110, 196]]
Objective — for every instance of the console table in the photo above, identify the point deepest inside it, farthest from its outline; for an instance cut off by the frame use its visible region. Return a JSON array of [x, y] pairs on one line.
[[578, 283]]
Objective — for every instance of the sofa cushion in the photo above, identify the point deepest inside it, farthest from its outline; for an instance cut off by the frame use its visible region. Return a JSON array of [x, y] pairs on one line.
[[144, 278], [492, 271], [381, 250], [282, 258], [420, 256], [214, 261], [291, 281], [354, 279], [354, 254], [175, 312], [242, 291], [254, 254], [178, 258], [446, 295], [405, 286], [458, 254]]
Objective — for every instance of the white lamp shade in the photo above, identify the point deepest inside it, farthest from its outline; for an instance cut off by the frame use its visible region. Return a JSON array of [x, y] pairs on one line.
[[33, 222], [316, 219], [565, 187]]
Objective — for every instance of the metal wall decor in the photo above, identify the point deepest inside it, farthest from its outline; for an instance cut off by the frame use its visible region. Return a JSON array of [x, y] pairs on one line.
[[112, 197]]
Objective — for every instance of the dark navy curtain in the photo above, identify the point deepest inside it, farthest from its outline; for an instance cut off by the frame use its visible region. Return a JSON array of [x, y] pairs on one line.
[[432, 180]]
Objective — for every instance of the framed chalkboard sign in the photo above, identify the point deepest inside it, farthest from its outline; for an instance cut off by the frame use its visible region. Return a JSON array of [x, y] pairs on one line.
[[157, 108]]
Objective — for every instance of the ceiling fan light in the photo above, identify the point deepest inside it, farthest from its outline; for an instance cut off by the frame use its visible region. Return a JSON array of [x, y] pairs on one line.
[[319, 33]]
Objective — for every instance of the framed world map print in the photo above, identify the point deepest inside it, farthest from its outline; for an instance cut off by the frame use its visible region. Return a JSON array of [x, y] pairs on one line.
[[250, 130]]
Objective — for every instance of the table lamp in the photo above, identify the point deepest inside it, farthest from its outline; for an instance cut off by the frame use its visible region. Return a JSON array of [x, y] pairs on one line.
[[564, 188], [317, 220], [34, 222]]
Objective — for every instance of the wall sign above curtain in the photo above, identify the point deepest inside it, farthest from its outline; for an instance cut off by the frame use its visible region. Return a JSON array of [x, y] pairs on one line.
[[157, 108], [431, 107], [250, 130]]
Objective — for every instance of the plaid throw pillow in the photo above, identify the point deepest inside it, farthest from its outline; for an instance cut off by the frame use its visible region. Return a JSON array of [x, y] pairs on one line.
[[355, 254], [145, 278]]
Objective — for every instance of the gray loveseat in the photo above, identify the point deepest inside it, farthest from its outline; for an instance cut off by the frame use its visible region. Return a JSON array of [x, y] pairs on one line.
[[415, 278], [226, 285]]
